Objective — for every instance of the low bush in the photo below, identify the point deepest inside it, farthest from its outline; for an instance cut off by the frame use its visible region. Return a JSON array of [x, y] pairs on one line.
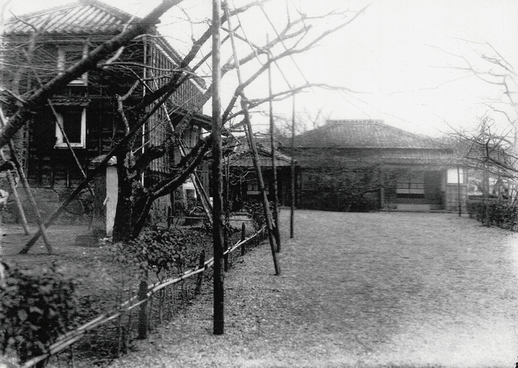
[[35, 308], [494, 213], [161, 251], [256, 211]]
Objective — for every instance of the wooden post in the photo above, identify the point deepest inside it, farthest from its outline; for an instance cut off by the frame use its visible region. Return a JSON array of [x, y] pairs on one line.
[[199, 280], [292, 207], [459, 191], [142, 315], [198, 186], [25, 184], [12, 185], [243, 235], [30, 197], [217, 188], [255, 155], [274, 163]]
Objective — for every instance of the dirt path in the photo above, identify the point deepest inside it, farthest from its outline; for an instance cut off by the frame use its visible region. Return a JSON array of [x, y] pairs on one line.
[[359, 290]]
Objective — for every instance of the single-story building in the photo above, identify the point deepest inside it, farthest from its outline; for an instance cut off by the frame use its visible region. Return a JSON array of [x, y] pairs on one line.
[[368, 165]]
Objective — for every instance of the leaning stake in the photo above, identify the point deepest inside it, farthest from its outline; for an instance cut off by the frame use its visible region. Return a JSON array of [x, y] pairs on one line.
[[255, 156], [217, 187]]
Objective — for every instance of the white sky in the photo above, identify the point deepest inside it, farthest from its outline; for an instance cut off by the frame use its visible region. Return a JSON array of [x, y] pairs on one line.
[[399, 53]]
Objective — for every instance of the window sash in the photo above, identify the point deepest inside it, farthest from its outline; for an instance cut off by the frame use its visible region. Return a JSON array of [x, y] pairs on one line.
[[64, 62], [60, 139], [454, 177]]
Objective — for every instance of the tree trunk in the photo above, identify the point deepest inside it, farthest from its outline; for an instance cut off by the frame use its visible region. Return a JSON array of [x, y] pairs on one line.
[[122, 227]]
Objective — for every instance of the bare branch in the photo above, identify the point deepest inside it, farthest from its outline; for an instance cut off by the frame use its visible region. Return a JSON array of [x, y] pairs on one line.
[[39, 97]]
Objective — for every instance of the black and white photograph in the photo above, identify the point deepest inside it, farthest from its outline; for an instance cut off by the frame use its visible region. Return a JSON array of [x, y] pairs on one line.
[[259, 183]]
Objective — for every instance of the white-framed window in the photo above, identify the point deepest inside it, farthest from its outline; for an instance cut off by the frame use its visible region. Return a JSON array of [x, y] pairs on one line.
[[69, 55], [71, 121], [455, 177]]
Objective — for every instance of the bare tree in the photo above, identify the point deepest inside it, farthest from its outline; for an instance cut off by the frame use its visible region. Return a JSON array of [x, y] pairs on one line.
[[491, 147], [136, 108]]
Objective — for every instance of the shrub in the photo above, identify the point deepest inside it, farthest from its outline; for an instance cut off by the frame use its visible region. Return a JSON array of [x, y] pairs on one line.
[[35, 308], [499, 213], [256, 211], [161, 251]]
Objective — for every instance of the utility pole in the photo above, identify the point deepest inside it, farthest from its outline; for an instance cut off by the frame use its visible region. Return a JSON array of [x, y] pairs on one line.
[[217, 177]]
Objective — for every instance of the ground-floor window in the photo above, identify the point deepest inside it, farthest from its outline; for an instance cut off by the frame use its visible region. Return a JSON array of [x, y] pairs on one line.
[[410, 185], [456, 176], [71, 122], [253, 188]]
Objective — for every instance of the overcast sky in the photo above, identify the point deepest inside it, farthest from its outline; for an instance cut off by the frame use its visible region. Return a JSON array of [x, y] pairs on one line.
[[399, 55]]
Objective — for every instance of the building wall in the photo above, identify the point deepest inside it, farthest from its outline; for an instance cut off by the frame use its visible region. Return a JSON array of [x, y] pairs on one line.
[[53, 172], [372, 179], [452, 197]]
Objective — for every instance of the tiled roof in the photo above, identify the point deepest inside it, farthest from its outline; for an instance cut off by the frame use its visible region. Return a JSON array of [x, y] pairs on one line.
[[242, 155], [362, 134], [82, 17]]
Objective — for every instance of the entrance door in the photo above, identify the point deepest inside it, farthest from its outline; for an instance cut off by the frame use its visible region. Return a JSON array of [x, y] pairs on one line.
[[432, 187]]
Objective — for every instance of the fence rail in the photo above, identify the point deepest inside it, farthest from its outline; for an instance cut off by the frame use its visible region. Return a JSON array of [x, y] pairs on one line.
[[72, 337]]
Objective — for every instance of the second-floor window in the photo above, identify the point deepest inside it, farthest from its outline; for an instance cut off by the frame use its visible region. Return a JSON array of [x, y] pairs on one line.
[[69, 55], [72, 124]]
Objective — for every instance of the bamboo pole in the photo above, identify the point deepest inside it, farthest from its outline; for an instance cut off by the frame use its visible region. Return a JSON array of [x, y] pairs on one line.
[[274, 163], [30, 197], [251, 139], [25, 184], [217, 188]]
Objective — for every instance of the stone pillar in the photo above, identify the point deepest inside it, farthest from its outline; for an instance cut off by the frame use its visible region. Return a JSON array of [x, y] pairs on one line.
[[106, 189]]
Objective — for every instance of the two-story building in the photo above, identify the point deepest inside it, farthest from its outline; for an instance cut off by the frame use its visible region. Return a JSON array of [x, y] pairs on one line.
[[84, 121]]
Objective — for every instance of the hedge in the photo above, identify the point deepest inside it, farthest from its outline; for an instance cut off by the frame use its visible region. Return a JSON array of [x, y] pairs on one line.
[[494, 213]]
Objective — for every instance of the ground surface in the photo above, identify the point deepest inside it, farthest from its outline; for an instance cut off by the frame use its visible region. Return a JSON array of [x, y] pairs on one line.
[[359, 290]]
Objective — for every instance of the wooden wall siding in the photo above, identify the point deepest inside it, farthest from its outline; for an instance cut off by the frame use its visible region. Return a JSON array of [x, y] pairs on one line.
[[188, 96], [158, 130], [338, 157], [55, 169]]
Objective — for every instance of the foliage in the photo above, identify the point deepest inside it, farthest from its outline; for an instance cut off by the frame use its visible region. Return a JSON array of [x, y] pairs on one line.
[[499, 213], [35, 308], [350, 189], [164, 252], [256, 210]]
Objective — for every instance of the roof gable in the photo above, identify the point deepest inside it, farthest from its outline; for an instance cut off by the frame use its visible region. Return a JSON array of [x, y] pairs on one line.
[[363, 134], [79, 18]]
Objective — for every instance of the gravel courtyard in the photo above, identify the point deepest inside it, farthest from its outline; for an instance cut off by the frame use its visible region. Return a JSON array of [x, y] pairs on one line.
[[358, 290]]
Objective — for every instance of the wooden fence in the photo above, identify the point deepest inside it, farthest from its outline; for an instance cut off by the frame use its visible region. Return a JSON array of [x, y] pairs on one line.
[[144, 300]]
